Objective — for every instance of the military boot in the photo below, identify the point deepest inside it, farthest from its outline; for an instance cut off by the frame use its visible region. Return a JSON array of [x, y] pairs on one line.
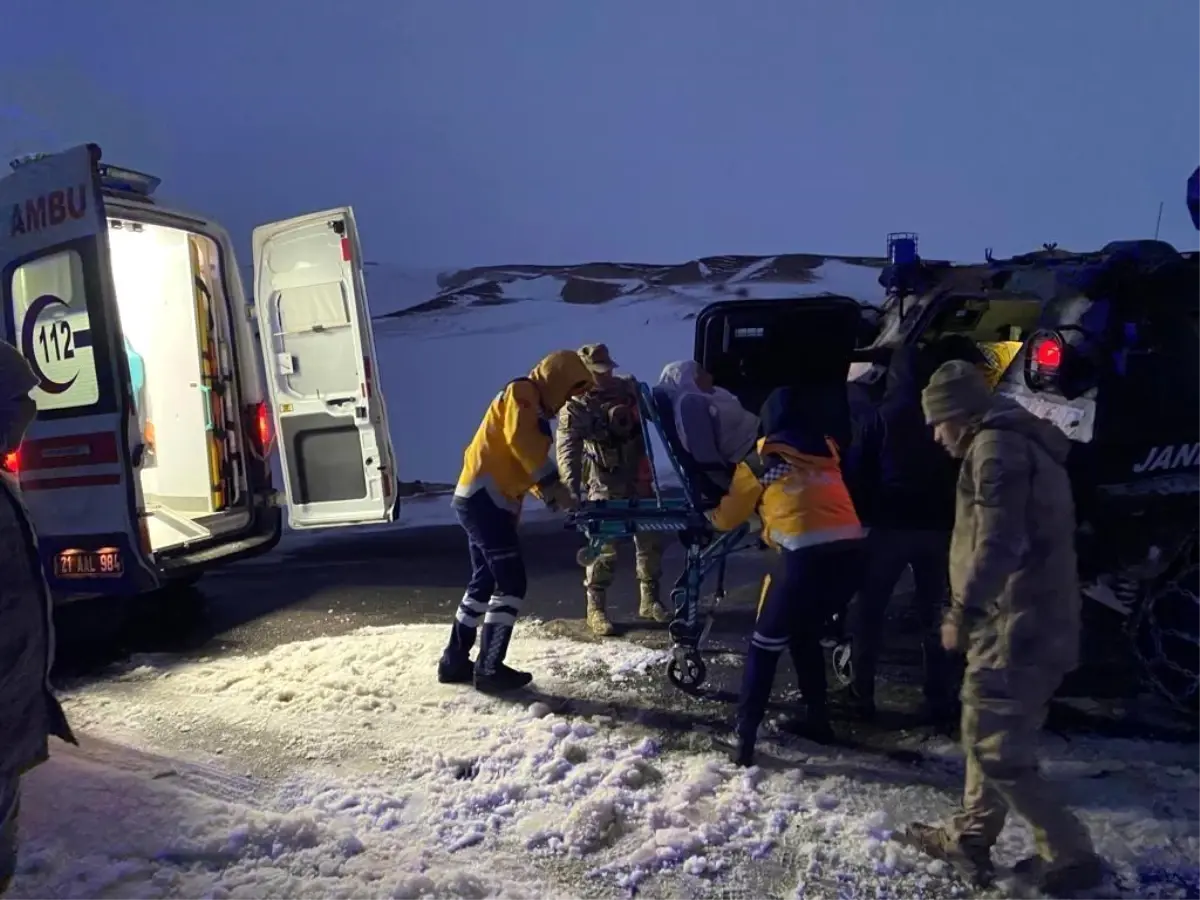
[[597, 613], [971, 860], [649, 605]]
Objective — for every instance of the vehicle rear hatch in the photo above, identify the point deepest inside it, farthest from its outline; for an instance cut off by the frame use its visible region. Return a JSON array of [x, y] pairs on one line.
[[751, 347]]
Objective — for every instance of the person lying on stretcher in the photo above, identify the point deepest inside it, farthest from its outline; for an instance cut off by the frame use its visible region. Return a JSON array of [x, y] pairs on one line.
[[713, 427]]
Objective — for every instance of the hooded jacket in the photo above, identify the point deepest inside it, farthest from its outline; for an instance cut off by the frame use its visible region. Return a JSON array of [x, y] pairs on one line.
[[794, 480], [735, 427], [1013, 578], [509, 454]]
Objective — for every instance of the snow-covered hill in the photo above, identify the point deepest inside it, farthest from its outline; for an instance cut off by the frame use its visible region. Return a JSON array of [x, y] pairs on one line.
[[443, 361], [393, 289]]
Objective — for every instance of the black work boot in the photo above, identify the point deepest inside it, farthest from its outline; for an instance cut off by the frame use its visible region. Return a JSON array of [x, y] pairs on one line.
[[492, 676], [455, 665], [743, 753], [455, 670]]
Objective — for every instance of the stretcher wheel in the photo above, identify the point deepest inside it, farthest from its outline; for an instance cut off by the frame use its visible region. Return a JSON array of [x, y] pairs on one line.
[[586, 556], [687, 672]]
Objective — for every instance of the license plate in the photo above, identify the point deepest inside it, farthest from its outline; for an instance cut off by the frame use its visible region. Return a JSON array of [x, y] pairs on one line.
[[103, 563], [1074, 418]]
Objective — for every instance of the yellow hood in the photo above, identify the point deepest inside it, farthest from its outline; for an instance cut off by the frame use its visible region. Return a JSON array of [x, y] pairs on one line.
[[558, 376]]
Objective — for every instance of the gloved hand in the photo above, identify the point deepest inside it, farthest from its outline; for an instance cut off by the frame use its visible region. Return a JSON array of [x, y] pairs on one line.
[[559, 498]]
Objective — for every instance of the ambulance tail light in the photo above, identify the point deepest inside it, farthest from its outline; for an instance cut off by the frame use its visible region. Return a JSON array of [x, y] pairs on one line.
[[12, 461], [259, 425]]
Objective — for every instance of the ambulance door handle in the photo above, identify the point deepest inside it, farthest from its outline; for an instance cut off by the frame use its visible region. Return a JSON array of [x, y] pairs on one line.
[[339, 401]]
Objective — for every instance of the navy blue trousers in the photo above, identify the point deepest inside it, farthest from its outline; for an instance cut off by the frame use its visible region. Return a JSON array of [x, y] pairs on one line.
[[496, 591], [803, 588]]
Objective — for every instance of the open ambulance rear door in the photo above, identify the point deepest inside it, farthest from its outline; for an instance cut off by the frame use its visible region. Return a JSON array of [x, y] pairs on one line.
[[319, 354], [75, 466]]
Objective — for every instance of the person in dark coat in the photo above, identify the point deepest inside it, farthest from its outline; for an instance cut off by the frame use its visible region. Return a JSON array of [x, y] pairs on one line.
[[29, 713], [911, 516]]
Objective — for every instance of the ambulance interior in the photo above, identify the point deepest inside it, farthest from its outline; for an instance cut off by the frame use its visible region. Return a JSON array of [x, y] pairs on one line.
[[176, 326]]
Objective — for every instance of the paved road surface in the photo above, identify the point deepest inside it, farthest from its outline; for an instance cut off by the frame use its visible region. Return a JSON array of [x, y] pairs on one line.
[[391, 576]]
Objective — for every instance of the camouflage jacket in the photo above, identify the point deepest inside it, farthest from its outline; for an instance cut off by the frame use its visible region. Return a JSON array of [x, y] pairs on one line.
[[600, 450], [1013, 579]]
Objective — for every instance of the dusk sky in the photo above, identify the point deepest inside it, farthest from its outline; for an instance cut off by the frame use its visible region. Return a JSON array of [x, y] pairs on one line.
[[492, 131]]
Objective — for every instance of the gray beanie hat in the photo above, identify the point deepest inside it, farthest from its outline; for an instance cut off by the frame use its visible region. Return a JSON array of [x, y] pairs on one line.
[[957, 390]]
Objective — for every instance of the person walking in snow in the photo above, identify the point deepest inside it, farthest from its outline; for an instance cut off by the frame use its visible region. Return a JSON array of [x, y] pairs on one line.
[[29, 713], [911, 514], [508, 457], [602, 456], [1015, 611], [794, 481]]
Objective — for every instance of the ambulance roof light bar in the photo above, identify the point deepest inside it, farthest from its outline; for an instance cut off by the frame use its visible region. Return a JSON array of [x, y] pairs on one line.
[[27, 158], [128, 181], [116, 179]]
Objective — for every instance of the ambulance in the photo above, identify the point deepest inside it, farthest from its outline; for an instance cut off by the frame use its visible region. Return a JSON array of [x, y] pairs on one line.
[[164, 389]]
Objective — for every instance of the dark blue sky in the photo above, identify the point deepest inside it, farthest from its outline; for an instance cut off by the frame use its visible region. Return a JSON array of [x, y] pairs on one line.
[[482, 131]]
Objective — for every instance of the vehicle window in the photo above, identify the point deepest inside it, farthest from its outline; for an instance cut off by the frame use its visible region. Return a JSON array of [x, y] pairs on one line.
[[54, 330], [318, 341]]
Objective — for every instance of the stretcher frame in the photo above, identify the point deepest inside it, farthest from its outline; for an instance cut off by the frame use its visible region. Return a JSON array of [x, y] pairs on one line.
[[605, 521]]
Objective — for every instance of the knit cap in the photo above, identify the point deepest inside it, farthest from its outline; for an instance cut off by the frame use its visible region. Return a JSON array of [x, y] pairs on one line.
[[957, 390]]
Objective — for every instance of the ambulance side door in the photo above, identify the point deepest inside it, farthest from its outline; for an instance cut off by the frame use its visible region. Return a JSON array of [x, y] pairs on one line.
[[319, 358], [74, 466]]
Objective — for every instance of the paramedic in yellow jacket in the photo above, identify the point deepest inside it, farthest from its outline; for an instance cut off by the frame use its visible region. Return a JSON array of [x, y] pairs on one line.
[[508, 457], [794, 480]]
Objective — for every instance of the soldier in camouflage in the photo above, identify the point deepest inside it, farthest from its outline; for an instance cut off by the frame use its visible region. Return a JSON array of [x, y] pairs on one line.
[[601, 456]]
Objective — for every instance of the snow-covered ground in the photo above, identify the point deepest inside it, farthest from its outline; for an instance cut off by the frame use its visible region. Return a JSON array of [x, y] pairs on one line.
[[340, 768]]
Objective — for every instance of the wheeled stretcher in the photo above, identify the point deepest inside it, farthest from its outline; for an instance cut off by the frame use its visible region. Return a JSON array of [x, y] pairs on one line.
[[605, 521]]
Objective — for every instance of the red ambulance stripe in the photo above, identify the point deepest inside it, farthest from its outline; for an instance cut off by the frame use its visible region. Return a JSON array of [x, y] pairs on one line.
[[69, 481], [69, 451]]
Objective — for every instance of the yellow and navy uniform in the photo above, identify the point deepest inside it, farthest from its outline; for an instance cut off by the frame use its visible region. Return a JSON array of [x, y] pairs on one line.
[[794, 480], [510, 452], [800, 497]]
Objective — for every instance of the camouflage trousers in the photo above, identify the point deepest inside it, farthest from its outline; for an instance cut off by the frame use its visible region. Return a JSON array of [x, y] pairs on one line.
[[10, 803], [1002, 712], [648, 548]]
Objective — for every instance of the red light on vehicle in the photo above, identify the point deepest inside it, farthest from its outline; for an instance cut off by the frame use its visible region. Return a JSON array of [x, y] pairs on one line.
[[347, 251], [1047, 353], [12, 461], [262, 425]]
